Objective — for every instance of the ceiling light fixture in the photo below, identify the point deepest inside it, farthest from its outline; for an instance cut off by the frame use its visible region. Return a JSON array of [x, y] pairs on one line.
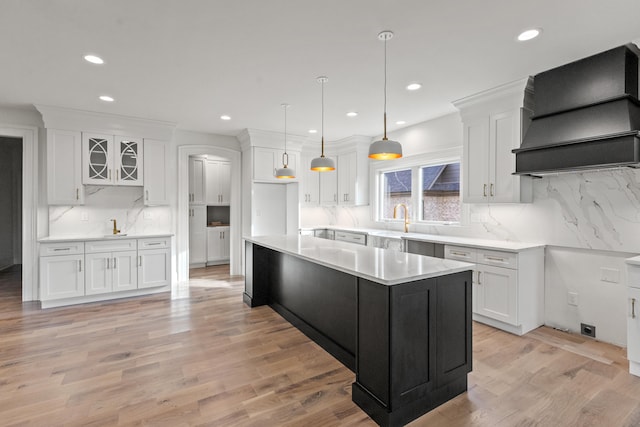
[[94, 59], [313, 131], [106, 98], [285, 171], [352, 114], [400, 122], [529, 34], [225, 117], [385, 149], [414, 86], [322, 163]]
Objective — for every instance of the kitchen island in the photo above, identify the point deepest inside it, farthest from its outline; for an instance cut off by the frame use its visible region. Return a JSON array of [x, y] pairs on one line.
[[400, 321]]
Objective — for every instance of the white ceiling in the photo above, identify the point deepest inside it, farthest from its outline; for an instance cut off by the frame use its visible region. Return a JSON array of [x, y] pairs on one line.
[[189, 61]]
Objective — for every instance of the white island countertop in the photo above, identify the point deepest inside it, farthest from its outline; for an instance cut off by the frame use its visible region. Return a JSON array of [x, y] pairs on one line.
[[378, 265], [62, 239]]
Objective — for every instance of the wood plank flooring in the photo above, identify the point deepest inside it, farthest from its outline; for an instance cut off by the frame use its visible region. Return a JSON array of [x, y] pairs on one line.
[[199, 357]]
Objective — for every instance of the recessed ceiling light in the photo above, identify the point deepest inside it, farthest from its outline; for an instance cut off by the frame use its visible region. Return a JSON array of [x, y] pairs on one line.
[[414, 86], [400, 122], [106, 98], [225, 117], [352, 113], [313, 131], [529, 34], [94, 59]]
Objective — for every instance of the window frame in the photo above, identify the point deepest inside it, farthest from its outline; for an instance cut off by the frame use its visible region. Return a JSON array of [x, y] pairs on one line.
[[415, 163]]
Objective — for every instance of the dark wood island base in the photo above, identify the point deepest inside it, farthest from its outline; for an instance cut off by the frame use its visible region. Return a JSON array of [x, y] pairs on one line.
[[409, 344]]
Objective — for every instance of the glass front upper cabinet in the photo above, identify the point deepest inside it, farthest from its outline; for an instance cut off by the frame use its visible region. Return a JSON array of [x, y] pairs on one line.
[[109, 160]]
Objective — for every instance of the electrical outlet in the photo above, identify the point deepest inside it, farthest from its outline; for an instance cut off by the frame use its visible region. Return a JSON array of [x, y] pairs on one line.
[[84, 216], [610, 275], [572, 298], [588, 330], [147, 215]]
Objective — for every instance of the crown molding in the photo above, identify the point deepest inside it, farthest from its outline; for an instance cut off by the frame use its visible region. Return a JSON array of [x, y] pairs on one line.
[[270, 139]]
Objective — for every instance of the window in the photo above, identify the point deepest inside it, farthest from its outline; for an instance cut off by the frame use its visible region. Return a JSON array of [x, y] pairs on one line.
[[431, 191]]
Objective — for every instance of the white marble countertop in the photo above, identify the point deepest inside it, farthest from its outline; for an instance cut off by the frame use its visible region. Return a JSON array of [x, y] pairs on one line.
[[633, 261], [500, 245], [378, 265], [59, 239]]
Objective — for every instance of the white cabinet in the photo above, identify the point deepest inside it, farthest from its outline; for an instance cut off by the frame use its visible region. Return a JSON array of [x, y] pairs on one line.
[[112, 160], [197, 234], [154, 262], [633, 315], [267, 160], [329, 185], [110, 266], [346, 236], [218, 183], [62, 271], [349, 183], [156, 154], [310, 181], [197, 183], [347, 178], [508, 287], [217, 244], [493, 124], [64, 168]]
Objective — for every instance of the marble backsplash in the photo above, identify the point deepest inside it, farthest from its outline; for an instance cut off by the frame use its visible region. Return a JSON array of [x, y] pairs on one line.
[[588, 210], [125, 204]]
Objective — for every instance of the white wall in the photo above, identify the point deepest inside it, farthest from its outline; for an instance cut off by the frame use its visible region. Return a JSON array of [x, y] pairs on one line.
[[589, 221]]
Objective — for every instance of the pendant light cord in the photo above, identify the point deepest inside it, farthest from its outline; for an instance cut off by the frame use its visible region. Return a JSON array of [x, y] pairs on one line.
[[285, 129], [385, 90], [322, 120]]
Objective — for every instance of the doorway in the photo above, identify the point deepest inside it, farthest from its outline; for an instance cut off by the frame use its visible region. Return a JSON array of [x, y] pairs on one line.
[[11, 203]]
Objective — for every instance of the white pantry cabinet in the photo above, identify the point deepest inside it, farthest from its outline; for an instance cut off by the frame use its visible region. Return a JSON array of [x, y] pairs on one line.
[[156, 154], [508, 287], [197, 235], [64, 168], [197, 180], [218, 183], [493, 124], [218, 244], [112, 160]]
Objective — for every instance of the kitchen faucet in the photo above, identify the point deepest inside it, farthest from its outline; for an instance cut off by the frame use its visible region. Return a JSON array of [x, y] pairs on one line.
[[115, 228], [406, 215]]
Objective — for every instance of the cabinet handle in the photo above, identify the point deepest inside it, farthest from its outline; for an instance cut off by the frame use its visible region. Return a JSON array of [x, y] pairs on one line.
[[484, 190], [146, 192], [80, 265], [491, 190], [154, 244], [107, 263], [459, 253], [77, 194], [139, 260], [479, 282], [490, 258], [115, 264], [633, 308], [61, 249], [109, 174]]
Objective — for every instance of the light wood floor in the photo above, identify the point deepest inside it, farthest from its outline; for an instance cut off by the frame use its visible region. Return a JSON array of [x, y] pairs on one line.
[[204, 358]]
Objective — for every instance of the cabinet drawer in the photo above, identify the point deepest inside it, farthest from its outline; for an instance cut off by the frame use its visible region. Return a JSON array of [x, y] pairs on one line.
[[460, 253], [111, 245], [66, 248], [497, 258], [360, 239], [154, 243]]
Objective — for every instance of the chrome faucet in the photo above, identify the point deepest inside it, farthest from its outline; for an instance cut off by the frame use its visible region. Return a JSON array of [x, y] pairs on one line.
[[406, 215], [115, 228]]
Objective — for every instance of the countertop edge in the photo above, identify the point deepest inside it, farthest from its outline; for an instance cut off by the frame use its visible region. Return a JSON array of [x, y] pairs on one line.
[[95, 238]]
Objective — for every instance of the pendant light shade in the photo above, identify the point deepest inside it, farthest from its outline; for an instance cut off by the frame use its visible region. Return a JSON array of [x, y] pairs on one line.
[[322, 163], [285, 172], [385, 149]]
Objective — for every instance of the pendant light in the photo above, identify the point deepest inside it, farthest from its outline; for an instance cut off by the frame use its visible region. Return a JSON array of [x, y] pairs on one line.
[[385, 149], [322, 163], [285, 172]]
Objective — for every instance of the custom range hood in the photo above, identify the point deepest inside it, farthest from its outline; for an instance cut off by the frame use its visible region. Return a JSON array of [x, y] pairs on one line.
[[586, 116]]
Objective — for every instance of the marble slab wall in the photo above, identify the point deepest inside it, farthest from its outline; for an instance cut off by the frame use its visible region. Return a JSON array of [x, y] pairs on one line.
[[125, 204]]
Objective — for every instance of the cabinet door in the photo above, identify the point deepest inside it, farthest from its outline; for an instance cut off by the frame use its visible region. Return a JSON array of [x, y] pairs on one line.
[[198, 235], [225, 243], [155, 173], [99, 273], [475, 172], [224, 182], [129, 165], [61, 277], [154, 268], [213, 244], [633, 325], [497, 293], [328, 186], [97, 159], [197, 181], [124, 270], [504, 132], [64, 168], [212, 190], [264, 164], [310, 182], [347, 175]]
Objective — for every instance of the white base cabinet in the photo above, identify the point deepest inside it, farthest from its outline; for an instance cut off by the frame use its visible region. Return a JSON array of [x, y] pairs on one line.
[[76, 272], [218, 245], [633, 316], [508, 287]]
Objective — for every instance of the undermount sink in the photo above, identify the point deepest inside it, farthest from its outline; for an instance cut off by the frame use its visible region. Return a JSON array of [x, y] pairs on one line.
[[115, 235]]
